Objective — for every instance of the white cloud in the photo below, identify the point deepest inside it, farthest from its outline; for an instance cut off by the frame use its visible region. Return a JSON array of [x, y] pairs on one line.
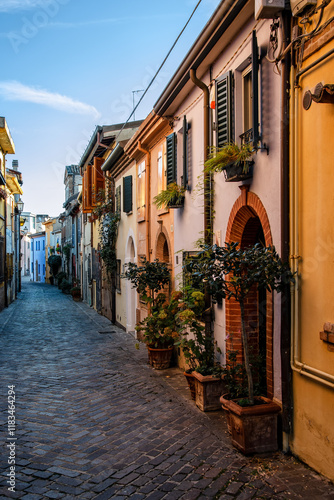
[[9, 5], [16, 91]]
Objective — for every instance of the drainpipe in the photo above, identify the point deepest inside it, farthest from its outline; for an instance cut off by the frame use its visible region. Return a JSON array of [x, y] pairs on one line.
[[286, 374], [207, 188], [207, 177], [148, 198]]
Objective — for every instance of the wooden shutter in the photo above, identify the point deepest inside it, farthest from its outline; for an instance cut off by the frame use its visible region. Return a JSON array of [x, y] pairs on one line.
[[98, 179], [255, 89], [118, 199], [127, 194], [87, 190], [171, 158], [224, 109]]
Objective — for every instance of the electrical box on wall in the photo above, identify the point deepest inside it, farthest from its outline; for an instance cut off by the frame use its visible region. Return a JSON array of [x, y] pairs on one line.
[[268, 9], [297, 6]]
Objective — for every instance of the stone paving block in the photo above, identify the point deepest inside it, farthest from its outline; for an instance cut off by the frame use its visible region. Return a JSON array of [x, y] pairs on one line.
[[234, 487]]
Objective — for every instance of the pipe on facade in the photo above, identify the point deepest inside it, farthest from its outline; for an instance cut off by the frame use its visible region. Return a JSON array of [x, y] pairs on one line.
[[207, 177], [148, 198], [297, 365], [285, 341], [207, 187]]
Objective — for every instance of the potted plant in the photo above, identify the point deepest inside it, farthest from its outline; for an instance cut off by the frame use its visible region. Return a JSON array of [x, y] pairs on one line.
[[54, 262], [172, 197], [160, 329], [232, 272], [149, 279], [76, 293], [234, 160], [199, 351]]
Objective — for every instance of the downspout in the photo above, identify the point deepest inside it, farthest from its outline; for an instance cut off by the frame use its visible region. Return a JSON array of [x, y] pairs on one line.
[[148, 199], [207, 188], [286, 375], [207, 177]]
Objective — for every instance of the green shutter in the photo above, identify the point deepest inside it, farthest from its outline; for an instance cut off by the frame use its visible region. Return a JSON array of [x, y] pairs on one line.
[[171, 158], [224, 109], [255, 89], [118, 199], [127, 194]]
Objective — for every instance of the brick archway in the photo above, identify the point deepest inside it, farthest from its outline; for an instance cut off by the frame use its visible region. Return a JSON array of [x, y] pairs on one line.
[[249, 223], [162, 246]]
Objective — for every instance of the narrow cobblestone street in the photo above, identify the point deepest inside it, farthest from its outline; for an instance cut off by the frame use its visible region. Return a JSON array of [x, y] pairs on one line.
[[93, 421]]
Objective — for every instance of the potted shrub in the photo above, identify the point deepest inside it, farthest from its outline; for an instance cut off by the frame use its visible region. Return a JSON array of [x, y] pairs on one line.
[[172, 197], [232, 272], [65, 286], [160, 329], [60, 277], [199, 351], [54, 262], [234, 160], [76, 293], [149, 279]]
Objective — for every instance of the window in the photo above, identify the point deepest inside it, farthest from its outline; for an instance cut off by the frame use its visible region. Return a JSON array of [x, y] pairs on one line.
[[32, 267], [171, 158], [127, 194], [224, 108], [141, 191], [161, 163], [97, 180], [43, 269], [118, 275], [184, 152], [32, 245], [118, 200], [43, 245], [247, 100], [39, 269], [87, 190]]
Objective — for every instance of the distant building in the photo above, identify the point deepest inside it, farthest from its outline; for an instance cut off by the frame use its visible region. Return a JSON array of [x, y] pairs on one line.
[[37, 252]]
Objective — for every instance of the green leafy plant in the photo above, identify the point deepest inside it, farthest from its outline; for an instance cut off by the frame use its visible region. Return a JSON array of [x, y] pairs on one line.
[[54, 262], [231, 272], [148, 278], [198, 348], [220, 158], [60, 277], [161, 328], [65, 286], [173, 195]]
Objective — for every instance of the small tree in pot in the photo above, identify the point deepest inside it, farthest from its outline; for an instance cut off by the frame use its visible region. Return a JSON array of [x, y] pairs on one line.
[[231, 272]]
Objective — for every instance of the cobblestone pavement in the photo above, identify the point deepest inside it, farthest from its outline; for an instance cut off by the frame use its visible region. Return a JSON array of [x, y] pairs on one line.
[[93, 421]]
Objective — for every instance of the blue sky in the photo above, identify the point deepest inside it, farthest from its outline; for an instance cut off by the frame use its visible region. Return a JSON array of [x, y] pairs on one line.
[[70, 65]]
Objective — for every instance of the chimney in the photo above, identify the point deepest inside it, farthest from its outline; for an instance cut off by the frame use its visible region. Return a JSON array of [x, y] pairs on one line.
[[15, 164]]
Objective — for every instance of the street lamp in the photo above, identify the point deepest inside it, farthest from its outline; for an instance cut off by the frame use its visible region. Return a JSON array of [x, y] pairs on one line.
[[20, 205], [19, 208]]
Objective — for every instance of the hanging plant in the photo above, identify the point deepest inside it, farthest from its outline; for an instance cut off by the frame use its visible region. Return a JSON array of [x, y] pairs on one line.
[[172, 197], [230, 154]]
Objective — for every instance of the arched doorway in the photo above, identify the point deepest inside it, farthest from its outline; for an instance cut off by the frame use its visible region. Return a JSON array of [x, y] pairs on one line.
[[249, 224], [129, 291]]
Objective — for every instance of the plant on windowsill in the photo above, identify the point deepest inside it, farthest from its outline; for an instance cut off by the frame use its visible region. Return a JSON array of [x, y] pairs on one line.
[[234, 160], [172, 197], [232, 272]]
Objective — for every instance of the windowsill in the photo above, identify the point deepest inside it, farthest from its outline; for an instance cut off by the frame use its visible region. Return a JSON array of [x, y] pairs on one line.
[[129, 213], [163, 211]]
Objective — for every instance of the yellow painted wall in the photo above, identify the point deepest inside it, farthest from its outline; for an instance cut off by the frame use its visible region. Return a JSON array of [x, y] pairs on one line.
[[313, 429]]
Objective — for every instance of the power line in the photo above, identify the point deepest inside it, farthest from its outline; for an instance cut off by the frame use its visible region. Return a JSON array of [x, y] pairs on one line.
[[159, 69]]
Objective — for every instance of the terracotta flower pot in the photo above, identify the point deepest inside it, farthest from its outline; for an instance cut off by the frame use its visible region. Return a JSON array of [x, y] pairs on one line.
[[223, 399], [160, 358], [254, 428], [208, 391], [191, 383]]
